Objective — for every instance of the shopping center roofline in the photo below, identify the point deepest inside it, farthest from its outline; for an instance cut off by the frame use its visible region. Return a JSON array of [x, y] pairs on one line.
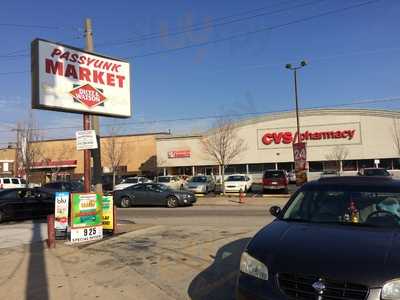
[[292, 114], [109, 136]]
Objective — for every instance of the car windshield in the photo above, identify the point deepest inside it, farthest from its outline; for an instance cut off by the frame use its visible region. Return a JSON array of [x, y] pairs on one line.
[[198, 179], [236, 178], [273, 174], [164, 179], [376, 172], [345, 207]]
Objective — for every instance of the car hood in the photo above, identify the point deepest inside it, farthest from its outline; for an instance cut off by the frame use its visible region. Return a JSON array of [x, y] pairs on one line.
[[363, 255]]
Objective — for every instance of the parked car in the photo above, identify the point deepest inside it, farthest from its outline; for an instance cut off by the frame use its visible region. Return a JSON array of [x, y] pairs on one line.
[[374, 172], [25, 203], [129, 181], [200, 184], [152, 194], [275, 180], [64, 186], [12, 183], [237, 183], [174, 182], [336, 238], [330, 173], [292, 176]]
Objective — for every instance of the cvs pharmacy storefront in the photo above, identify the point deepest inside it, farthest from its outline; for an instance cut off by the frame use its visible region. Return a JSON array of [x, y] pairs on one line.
[[337, 139]]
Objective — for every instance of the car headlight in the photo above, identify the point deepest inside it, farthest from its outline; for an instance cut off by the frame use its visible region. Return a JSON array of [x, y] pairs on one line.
[[391, 290], [253, 267]]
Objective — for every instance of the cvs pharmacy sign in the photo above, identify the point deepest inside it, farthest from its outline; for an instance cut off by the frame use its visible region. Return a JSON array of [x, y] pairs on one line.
[[287, 137]]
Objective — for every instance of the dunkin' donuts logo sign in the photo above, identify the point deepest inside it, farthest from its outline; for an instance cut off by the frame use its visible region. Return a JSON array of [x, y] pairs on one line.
[[323, 135], [69, 79]]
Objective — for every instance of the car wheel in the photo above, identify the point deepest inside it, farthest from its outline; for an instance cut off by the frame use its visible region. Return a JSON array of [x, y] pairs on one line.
[[172, 202], [125, 202]]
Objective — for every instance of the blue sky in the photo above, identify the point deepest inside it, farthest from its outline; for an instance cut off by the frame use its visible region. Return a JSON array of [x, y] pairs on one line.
[[353, 55]]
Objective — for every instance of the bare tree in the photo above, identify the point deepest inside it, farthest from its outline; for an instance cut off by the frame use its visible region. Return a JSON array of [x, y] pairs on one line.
[[28, 148], [338, 155], [115, 151], [222, 145]]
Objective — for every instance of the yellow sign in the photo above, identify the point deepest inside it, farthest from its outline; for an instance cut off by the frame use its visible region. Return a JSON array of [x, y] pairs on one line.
[[108, 212]]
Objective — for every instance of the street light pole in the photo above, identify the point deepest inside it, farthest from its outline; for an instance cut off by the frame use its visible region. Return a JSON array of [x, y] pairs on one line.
[[303, 63]]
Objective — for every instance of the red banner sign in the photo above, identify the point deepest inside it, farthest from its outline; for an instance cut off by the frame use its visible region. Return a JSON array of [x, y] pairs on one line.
[[300, 162], [179, 154]]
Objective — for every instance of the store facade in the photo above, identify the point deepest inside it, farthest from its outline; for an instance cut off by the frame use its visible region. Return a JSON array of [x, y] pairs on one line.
[[343, 139]]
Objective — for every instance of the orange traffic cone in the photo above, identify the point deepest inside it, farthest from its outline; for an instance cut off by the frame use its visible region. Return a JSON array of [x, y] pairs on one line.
[[241, 197]]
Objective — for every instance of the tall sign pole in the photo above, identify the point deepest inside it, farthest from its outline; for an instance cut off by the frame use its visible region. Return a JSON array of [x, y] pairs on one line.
[[96, 153], [86, 116]]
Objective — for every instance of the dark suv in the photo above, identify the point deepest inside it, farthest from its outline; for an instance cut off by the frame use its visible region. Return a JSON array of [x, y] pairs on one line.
[[275, 180]]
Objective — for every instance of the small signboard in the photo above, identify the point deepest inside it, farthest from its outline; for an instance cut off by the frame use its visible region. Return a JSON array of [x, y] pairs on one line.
[[61, 211], [86, 139], [179, 154], [86, 217], [87, 234], [300, 162], [108, 213]]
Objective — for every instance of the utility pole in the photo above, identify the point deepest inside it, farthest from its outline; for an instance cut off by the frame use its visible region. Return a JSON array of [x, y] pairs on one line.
[[96, 153]]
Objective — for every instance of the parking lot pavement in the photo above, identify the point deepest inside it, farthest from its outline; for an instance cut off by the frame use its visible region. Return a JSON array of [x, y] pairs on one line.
[[21, 233], [152, 263]]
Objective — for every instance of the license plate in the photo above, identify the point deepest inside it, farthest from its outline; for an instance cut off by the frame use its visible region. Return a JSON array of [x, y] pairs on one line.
[[274, 183]]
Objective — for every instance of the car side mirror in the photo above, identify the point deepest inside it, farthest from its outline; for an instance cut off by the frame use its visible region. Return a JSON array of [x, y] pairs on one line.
[[275, 211]]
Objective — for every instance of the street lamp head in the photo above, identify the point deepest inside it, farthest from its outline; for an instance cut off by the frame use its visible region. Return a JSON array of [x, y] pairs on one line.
[[288, 66], [303, 63]]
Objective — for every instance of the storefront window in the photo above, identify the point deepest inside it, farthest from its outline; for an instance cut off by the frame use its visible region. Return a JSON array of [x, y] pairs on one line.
[[396, 163], [315, 166], [256, 168], [386, 163], [235, 169], [366, 163], [349, 165], [288, 166], [331, 165]]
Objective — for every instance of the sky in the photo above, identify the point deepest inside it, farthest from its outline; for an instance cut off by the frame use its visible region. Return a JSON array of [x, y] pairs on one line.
[[193, 60]]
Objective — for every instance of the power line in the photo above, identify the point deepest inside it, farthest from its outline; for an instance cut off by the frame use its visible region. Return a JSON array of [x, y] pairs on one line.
[[268, 28], [33, 26], [25, 52], [207, 117], [305, 19], [199, 27]]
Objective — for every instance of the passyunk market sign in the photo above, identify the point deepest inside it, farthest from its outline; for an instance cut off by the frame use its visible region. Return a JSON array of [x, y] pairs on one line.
[[323, 135], [69, 79]]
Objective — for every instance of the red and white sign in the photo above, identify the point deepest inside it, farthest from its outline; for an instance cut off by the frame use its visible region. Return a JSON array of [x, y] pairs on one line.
[[313, 135], [287, 137], [88, 95], [300, 162], [65, 78], [179, 154]]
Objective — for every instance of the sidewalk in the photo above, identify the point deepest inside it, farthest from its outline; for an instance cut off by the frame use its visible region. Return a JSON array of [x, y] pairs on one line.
[[150, 263], [233, 200]]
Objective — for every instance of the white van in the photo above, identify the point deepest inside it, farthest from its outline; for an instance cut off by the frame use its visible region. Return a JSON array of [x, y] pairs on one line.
[[12, 182]]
